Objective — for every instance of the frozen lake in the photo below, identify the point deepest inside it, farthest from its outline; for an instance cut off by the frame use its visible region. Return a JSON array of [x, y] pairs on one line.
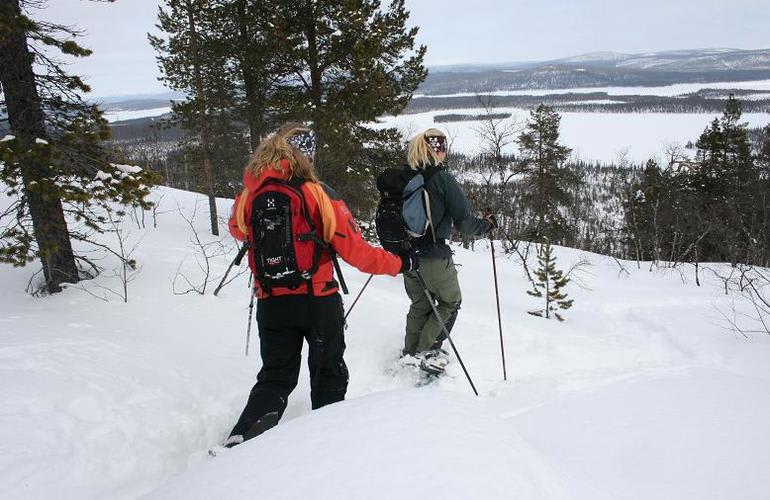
[[592, 136], [116, 116], [666, 90], [596, 136]]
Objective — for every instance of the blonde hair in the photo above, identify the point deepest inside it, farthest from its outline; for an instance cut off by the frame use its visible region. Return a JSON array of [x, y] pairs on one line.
[[275, 152], [275, 148], [420, 153]]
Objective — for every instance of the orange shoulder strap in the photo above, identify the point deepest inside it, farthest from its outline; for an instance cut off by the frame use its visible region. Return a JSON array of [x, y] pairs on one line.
[[240, 211], [328, 217]]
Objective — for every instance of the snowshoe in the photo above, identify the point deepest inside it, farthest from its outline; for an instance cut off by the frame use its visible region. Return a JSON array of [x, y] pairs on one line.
[[426, 378], [434, 361], [409, 360]]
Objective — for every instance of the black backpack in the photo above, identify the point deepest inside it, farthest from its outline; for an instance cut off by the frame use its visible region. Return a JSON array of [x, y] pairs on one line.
[[403, 213], [287, 246]]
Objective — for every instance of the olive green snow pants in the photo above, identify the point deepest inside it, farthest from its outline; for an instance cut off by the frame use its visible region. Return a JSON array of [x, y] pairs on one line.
[[422, 327]]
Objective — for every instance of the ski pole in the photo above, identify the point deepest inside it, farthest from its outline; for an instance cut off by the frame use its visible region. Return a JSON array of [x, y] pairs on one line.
[[443, 326], [497, 298], [236, 262], [358, 296], [251, 315]]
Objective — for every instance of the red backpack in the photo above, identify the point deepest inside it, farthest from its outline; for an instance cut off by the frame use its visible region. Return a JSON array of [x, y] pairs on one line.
[[287, 246]]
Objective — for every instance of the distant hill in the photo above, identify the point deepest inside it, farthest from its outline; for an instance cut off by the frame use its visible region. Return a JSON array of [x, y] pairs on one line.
[[604, 69], [681, 60]]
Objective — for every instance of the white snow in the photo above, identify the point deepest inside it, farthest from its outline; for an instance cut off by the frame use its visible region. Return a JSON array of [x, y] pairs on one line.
[[666, 90], [642, 393], [592, 136], [394, 444], [114, 116], [103, 176], [127, 169], [40, 141], [8, 138]]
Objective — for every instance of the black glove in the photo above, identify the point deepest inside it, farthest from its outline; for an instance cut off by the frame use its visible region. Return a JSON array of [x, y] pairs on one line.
[[492, 221], [409, 261]]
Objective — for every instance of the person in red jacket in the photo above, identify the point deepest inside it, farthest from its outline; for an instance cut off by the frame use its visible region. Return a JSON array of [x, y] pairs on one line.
[[311, 310]]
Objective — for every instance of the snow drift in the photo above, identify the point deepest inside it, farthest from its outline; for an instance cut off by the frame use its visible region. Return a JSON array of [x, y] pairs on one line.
[[642, 393], [398, 444]]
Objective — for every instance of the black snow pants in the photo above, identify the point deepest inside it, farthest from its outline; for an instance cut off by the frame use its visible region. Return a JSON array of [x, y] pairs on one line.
[[284, 322]]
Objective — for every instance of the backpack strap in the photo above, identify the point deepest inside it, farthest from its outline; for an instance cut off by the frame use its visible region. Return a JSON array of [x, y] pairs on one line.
[[338, 269], [319, 239], [427, 173], [430, 171], [428, 213]]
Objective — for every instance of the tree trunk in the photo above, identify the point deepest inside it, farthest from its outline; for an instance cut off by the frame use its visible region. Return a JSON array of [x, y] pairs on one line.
[[254, 102], [316, 86], [200, 96], [27, 122]]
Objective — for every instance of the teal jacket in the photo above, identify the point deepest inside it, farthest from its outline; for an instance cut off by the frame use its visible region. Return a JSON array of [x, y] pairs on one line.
[[449, 208]]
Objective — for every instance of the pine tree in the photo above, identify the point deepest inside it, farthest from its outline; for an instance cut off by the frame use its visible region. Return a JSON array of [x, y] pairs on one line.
[[725, 184], [346, 64], [194, 60], [255, 45], [549, 184], [57, 172], [763, 156], [725, 165], [549, 285], [763, 198], [642, 209]]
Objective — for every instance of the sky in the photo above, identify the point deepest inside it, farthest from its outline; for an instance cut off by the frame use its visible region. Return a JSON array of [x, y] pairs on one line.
[[455, 31]]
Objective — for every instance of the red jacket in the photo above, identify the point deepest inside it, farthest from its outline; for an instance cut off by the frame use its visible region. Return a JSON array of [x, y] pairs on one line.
[[346, 240]]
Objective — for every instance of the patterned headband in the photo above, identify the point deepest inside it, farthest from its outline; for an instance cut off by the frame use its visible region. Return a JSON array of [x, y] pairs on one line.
[[304, 142], [437, 143]]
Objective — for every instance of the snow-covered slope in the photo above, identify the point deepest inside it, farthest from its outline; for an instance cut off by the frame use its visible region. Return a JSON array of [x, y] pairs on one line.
[[642, 393]]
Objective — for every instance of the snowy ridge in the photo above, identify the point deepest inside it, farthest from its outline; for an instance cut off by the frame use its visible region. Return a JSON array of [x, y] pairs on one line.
[[679, 60], [642, 393]]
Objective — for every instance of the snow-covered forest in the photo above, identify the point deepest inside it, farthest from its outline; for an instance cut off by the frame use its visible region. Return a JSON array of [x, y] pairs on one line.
[[612, 339]]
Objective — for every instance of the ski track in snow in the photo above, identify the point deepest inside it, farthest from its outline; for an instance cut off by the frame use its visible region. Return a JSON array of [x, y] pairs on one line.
[[640, 394]]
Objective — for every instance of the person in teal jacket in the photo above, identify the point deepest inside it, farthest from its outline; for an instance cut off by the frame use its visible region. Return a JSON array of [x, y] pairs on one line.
[[449, 209]]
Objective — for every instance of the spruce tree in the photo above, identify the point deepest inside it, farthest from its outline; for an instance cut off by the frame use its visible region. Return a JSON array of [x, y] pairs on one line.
[[58, 174], [194, 59], [549, 284], [549, 185]]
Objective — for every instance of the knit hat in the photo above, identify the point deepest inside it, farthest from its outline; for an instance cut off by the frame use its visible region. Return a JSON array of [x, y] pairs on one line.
[[436, 143], [304, 142]]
